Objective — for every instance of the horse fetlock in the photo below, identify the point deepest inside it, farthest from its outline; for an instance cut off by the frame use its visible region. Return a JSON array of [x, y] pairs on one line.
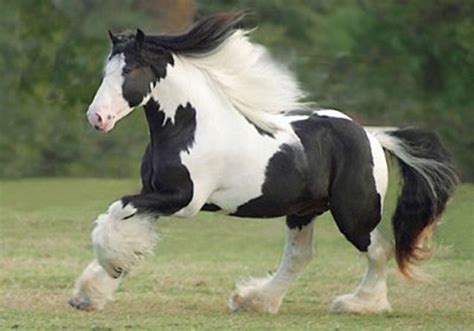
[[94, 288], [257, 295]]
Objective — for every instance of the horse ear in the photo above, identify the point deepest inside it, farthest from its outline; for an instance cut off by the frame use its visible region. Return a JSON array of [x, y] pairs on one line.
[[139, 38], [113, 38]]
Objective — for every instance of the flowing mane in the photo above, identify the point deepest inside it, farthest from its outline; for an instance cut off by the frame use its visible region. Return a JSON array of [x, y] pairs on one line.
[[203, 37], [244, 72]]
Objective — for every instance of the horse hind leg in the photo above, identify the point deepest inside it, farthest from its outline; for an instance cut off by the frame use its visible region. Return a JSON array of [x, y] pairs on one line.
[[266, 294], [359, 225], [358, 217], [371, 294]]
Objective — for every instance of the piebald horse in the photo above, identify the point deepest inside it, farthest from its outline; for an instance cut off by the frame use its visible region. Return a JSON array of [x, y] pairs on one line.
[[229, 132]]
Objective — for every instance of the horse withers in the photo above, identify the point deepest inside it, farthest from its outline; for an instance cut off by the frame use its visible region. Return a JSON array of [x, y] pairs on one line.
[[229, 131]]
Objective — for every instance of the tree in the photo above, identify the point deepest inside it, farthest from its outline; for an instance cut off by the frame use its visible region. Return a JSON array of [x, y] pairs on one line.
[[384, 62]]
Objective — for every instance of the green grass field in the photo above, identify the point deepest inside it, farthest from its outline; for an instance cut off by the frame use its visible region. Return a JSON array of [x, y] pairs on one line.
[[45, 228]]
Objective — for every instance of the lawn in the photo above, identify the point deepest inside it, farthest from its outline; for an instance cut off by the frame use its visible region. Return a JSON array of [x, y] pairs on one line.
[[45, 228]]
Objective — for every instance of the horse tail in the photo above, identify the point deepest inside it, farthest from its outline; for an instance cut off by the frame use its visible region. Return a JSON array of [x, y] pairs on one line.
[[429, 180]]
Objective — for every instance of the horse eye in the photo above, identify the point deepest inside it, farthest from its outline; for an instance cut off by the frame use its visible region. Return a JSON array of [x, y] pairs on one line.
[[126, 70]]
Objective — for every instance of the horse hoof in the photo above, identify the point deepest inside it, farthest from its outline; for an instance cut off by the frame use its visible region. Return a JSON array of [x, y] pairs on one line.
[[81, 303], [352, 304], [254, 295]]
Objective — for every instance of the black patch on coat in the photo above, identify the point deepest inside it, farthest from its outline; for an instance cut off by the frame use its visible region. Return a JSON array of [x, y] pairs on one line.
[[339, 154], [334, 171], [285, 190], [167, 185], [284, 187], [145, 65], [299, 221], [210, 207], [137, 85]]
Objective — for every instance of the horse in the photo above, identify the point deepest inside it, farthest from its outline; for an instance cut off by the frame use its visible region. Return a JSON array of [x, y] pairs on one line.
[[230, 132]]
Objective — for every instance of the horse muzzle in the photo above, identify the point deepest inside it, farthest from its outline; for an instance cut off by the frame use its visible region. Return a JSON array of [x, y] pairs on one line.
[[101, 120]]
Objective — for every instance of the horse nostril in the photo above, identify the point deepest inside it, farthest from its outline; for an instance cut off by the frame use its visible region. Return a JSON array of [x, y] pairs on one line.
[[99, 118]]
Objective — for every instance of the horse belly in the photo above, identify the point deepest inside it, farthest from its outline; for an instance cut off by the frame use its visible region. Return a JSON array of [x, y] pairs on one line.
[[279, 188], [256, 207], [237, 192]]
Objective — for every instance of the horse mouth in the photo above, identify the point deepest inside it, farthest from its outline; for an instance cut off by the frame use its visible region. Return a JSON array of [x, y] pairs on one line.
[[106, 128]]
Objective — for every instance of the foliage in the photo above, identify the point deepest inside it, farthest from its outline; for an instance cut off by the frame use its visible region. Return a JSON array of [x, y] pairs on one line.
[[384, 62], [52, 66]]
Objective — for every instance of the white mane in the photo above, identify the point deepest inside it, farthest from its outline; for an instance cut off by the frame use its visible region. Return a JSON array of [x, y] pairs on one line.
[[253, 82]]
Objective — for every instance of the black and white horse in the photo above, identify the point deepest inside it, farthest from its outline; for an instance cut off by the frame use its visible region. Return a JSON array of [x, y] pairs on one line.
[[229, 132]]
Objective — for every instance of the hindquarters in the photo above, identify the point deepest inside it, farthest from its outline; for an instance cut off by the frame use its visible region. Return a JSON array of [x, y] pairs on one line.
[[349, 167], [358, 187]]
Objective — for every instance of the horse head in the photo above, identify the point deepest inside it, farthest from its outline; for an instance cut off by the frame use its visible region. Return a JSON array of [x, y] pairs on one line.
[[132, 69]]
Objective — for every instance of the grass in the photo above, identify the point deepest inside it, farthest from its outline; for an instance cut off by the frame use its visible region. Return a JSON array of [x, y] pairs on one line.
[[44, 236]]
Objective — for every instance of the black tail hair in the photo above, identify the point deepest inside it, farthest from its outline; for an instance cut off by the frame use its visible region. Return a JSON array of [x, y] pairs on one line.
[[429, 180]]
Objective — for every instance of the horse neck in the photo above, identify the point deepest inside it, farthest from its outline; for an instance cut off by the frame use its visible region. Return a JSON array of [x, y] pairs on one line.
[[186, 84]]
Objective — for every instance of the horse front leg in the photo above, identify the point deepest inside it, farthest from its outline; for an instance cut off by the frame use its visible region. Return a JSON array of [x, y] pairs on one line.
[[121, 238], [94, 288]]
